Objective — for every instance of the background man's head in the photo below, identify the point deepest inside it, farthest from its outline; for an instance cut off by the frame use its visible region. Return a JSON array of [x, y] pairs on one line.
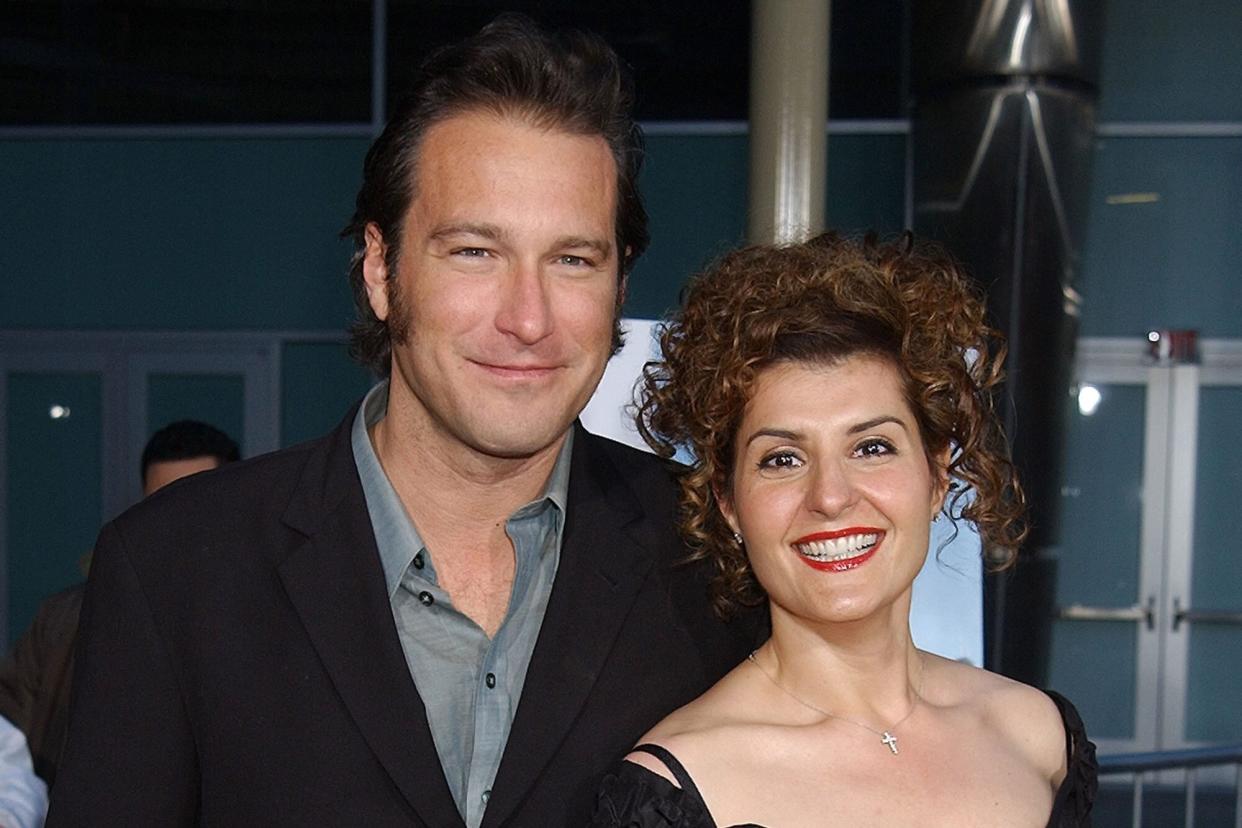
[[183, 448], [569, 82]]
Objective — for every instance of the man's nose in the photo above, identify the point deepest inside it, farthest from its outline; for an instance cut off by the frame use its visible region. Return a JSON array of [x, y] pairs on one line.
[[525, 311]]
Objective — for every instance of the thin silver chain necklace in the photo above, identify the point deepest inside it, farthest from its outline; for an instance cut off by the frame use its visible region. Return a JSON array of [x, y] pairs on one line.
[[886, 735]]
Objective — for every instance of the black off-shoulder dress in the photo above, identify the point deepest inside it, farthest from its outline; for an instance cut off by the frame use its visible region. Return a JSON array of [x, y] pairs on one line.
[[634, 797]]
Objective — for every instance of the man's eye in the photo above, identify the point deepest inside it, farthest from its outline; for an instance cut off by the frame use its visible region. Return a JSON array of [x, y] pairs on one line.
[[470, 252], [573, 261]]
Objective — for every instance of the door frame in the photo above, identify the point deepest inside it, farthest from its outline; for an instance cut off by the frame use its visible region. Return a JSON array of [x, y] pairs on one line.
[[1167, 522]]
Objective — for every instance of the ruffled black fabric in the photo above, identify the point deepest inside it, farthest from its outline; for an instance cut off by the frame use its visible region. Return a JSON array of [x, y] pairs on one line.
[[1076, 796], [634, 797]]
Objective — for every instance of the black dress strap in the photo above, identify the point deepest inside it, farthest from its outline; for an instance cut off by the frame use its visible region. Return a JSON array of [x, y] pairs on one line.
[[676, 768], [1076, 796]]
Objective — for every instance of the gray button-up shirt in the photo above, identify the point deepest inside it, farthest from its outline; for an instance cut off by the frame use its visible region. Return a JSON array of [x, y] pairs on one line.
[[470, 684]]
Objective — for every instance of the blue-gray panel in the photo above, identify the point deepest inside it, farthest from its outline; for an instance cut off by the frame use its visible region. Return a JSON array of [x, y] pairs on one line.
[[695, 191], [1094, 663], [1098, 563], [54, 473], [216, 399], [1171, 61], [1101, 507], [216, 234], [1216, 651], [1165, 252], [695, 188], [319, 382]]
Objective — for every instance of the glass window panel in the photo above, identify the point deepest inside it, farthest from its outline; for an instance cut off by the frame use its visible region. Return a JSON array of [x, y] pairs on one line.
[[1166, 64], [228, 61], [1162, 240], [1216, 583], [234, 234], [319, 382], [215, 399], [1094, 663], [54, 469], [695, 190]]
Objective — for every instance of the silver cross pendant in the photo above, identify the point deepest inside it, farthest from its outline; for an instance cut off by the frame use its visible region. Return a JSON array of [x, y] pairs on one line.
[[891, 741]]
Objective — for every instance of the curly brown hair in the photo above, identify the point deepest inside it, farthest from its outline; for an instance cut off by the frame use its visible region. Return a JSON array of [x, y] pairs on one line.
[[822, 301]]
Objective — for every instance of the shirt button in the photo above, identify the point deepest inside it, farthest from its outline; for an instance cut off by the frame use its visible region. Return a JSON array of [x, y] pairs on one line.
[[486, 796], [427, 598], [418, 561], [491, 680]]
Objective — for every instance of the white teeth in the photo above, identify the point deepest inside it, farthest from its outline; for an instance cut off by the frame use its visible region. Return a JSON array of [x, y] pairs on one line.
[[838, 549]]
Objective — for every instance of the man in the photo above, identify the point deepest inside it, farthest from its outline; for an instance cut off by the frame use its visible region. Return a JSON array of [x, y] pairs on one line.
[[36, 676], [183, 448], [460, 608]]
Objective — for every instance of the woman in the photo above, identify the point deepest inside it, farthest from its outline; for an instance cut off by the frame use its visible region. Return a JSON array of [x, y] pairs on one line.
[[831, 392]]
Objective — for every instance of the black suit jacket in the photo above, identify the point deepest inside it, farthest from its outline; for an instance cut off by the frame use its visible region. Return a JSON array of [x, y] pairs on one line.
[[239, 664]]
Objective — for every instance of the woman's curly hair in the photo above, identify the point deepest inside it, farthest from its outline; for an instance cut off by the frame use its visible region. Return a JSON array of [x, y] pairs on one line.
[[819, 302]]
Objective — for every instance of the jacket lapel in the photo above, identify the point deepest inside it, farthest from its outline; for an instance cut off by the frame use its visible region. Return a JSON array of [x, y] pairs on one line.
[[336, 585], [604, 561]]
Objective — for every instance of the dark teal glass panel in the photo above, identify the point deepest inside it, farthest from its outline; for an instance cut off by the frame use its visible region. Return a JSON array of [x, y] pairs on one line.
[[867, 183], [1094, 663], [215, 399], [1163, 241], [1102, 501], [182, 234], [54, 473], [1216, 651], [695, 191], [319, 382], [1171, 62], [695, 188]]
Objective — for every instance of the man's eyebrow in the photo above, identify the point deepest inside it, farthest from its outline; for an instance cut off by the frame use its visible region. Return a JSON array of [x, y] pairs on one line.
[[486, 231], [867, 425], [601, 246]]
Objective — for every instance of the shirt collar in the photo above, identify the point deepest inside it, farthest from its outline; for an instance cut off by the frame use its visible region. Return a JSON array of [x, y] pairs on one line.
[[395, 534]]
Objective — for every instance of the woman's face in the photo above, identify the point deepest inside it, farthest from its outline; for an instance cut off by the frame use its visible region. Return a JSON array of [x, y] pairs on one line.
[[832, 489]]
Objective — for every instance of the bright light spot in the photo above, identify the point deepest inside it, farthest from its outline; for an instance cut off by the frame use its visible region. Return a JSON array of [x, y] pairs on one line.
[[1088, 399], [1153, 336], [58, 412]]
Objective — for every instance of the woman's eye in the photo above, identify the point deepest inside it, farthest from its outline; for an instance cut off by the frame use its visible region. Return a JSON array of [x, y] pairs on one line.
[[780, 460], [874, 448]]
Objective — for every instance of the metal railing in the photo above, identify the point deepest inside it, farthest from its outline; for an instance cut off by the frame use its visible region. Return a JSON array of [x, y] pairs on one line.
[[1188, 761]]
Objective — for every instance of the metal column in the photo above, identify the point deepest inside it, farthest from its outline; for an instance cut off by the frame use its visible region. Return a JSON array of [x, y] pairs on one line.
[[788, 118]]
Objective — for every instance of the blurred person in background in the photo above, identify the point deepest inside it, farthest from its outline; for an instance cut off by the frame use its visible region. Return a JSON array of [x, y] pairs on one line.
[[36, 676]]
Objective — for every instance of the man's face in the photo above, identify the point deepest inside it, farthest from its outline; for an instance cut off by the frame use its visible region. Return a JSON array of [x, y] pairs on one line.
[[505, 292], [162, 472]]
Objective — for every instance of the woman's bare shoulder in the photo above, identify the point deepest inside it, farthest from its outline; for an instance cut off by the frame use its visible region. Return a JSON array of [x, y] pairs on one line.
[[717, 718], [1027, 718]]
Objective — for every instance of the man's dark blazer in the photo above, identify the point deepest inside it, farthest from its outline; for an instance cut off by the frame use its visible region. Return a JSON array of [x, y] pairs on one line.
[[239, 664]]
